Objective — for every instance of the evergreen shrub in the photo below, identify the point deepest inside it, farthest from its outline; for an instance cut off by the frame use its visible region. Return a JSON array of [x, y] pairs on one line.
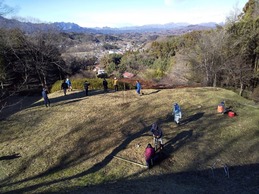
[[95, 84]]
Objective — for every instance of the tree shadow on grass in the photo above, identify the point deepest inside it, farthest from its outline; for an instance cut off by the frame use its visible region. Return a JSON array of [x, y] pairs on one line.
[[16, 104], [10, 157], [93, 169], [181, 137], [19, 103], [171, 146], [243, 179], [62, 99], [72, 97]]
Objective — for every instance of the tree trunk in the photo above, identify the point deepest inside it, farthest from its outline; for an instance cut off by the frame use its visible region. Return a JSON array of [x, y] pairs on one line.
[[39, 76], [215, 80], [60, 76], [45, 79], [256, 66], [207, 73], [241, 89]]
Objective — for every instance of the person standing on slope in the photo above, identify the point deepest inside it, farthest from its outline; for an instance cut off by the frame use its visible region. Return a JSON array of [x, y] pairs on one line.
[[86, 86], [177, 113], [69, 84], [105, 85], [115, 84], [157, 134], [64, 87], [138, 87], [45, 96]]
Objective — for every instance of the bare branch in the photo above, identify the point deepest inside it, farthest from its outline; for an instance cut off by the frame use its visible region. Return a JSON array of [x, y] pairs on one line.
[[5, 9]]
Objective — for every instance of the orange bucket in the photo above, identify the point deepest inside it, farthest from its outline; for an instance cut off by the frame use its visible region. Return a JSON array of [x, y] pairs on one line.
[[231, 114]]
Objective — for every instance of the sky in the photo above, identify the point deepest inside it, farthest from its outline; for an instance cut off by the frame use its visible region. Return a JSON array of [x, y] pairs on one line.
[[121, 13]]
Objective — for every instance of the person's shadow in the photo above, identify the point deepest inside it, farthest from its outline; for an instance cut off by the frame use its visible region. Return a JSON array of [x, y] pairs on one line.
[[171, 146], [154, 92], [10, 157], [191, 118]]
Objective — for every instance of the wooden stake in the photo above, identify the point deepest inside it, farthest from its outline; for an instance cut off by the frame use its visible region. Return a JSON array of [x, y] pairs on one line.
[[132, 162]]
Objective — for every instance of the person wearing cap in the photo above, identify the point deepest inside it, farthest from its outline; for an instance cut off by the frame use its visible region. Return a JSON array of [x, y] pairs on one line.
[[221, 107], [157, 134], [115, 84], [177, 113]]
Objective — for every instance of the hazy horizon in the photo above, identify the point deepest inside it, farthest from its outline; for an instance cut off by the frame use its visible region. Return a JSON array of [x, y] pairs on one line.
[[127, 13]]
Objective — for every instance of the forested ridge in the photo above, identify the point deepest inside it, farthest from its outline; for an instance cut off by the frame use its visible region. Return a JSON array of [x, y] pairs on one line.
[[224, 57]]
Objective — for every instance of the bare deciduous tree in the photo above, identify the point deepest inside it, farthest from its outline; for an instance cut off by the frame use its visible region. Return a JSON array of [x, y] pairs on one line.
[[207, 56], [5, 9]]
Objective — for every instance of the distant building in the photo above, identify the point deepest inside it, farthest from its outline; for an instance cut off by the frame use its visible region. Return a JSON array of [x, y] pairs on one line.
[[128, 75], [100, 71]]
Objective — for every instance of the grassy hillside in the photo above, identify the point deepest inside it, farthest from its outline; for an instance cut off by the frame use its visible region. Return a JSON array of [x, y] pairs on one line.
[[71, 145]]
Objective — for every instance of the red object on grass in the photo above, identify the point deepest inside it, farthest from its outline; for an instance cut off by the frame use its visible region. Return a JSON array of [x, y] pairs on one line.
[[231, 114]]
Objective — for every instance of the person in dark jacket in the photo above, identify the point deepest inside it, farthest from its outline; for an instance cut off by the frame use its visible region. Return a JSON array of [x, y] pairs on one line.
[[45, 97], [157, 134], [86, 86], [105, 85], [64, 87], [149, 155]]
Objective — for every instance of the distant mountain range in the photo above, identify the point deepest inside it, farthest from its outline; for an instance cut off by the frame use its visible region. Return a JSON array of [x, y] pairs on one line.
[[29, 27]]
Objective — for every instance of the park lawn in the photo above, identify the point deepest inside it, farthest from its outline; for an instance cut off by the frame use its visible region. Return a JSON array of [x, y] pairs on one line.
[[74, 144]]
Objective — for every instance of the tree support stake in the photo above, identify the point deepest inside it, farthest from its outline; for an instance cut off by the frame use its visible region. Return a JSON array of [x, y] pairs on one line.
[[132, 162]]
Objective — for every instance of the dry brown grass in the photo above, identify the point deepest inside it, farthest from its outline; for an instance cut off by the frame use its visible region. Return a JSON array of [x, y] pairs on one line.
[[71, 144]]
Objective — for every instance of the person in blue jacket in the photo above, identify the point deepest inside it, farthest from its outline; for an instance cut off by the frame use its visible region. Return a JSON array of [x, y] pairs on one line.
[[177, 113], [45, 96], [69, 84], [138, 87]]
